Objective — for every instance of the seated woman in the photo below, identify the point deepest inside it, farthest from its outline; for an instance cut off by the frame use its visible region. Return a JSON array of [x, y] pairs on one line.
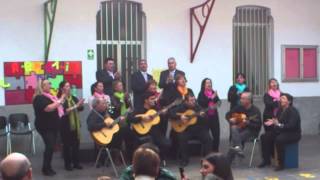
[[216, 166], [97, 91]]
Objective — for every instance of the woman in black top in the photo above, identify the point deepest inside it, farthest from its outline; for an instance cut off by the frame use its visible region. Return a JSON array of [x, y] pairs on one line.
[[271, 101], [70, 127], [48, 111], [209, 98], [236, 89]]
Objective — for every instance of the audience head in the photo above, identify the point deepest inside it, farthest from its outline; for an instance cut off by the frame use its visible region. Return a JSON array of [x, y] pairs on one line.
[[246, 99], [206, 84], [117, 86], [273, 84], [181, 80], [143, 65], [145, 162], [286, 100], [16, 166], [217, 164], [64, 88], [99, 104], [172, 64], [240, 78], [108, 64]]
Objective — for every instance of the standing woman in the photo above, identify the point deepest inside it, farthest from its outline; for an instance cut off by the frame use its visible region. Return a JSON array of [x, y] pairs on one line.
[[48, 111], [97, 90], [236, 89], [70, 127], [271, 101], [209, 98]]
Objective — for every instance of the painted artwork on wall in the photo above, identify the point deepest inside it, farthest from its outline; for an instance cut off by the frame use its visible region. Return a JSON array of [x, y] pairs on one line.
[[23, 78]]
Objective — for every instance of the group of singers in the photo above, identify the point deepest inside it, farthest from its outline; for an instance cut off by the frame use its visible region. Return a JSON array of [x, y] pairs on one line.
[[183, 115]]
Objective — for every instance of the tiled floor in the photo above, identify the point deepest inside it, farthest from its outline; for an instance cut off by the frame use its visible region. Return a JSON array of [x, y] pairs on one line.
[[309, 164]]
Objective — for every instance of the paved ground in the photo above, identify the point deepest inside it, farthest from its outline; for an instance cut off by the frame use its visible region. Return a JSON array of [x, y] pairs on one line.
[[309, 164]]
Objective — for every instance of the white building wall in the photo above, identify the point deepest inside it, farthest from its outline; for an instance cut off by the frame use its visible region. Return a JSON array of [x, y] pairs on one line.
[[22, 32]]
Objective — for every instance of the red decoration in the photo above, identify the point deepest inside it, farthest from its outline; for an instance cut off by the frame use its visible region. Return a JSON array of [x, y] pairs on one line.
[[205, 9]]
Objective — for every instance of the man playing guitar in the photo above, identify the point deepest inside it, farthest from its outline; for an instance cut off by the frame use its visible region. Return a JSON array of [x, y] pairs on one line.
[[140, 116], [198, 130], [245, 123]]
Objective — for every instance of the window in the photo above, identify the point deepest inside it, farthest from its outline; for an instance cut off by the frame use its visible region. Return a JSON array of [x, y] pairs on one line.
[[299, 63], [121, 34], [253, 46]]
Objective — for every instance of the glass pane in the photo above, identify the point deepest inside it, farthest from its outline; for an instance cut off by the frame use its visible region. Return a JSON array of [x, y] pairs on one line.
[[310, 63], [292, 65]]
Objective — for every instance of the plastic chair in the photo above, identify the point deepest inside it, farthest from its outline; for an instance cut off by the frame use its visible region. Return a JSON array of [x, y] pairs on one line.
[[4, 131], [20, 125]]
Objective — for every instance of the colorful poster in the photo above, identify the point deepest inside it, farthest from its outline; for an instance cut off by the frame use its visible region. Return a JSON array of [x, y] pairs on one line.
[[23, 78]]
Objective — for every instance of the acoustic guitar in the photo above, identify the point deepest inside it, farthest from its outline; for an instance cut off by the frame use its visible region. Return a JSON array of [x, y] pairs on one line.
[[144, 127], [241, 118], [104, 136], [179, 126]]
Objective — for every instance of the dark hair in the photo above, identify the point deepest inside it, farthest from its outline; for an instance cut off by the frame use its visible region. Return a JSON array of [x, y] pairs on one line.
[[203, 83], [221, 164], [93, 86], [240, 74], [289, 97], [61, 85], [107, 60], [151, 81], [188, 95], [146, 95], [145, 162]]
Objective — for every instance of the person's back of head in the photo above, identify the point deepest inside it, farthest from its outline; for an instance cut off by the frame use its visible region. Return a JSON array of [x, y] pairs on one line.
[[16, 166], [146, 163]]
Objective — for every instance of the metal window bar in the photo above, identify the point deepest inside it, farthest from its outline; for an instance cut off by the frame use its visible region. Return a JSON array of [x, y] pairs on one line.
[[252, 26]]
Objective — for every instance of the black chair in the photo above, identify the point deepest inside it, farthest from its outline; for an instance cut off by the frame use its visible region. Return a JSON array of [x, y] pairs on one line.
[[4, 132], [20, 125]]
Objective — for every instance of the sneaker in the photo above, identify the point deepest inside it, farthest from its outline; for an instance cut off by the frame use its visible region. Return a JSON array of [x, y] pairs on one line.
[[264, 164], [237, 150]]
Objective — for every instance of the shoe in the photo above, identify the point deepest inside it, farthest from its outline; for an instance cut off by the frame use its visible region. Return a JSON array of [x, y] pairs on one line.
[[279, 168], [68, 168], [237, 150], [52, 171], [48, 172], [264, 164], [78, 167]]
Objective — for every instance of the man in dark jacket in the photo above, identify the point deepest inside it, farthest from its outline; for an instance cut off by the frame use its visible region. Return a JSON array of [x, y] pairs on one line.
[[287, 130], [107, 75], [245, 127], [139, 81]]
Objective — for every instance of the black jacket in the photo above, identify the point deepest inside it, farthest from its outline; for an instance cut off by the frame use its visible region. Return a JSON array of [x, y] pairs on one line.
[[269, 108], [95, 121], [290, 118], [255, 123], [139, 86]]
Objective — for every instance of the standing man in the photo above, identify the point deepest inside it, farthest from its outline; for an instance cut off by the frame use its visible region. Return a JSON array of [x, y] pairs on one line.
[[139, 81], [107, 75], [167, 77]]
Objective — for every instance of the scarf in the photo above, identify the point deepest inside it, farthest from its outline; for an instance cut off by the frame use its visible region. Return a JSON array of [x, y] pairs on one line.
[[102, 96], [183, 91], [275, 94], [74, 118], [121, 97], [240, 87], [54, 99], [209, 93]]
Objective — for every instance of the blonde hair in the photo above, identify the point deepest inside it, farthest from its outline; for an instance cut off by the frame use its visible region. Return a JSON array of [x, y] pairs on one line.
[[39, 89]]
